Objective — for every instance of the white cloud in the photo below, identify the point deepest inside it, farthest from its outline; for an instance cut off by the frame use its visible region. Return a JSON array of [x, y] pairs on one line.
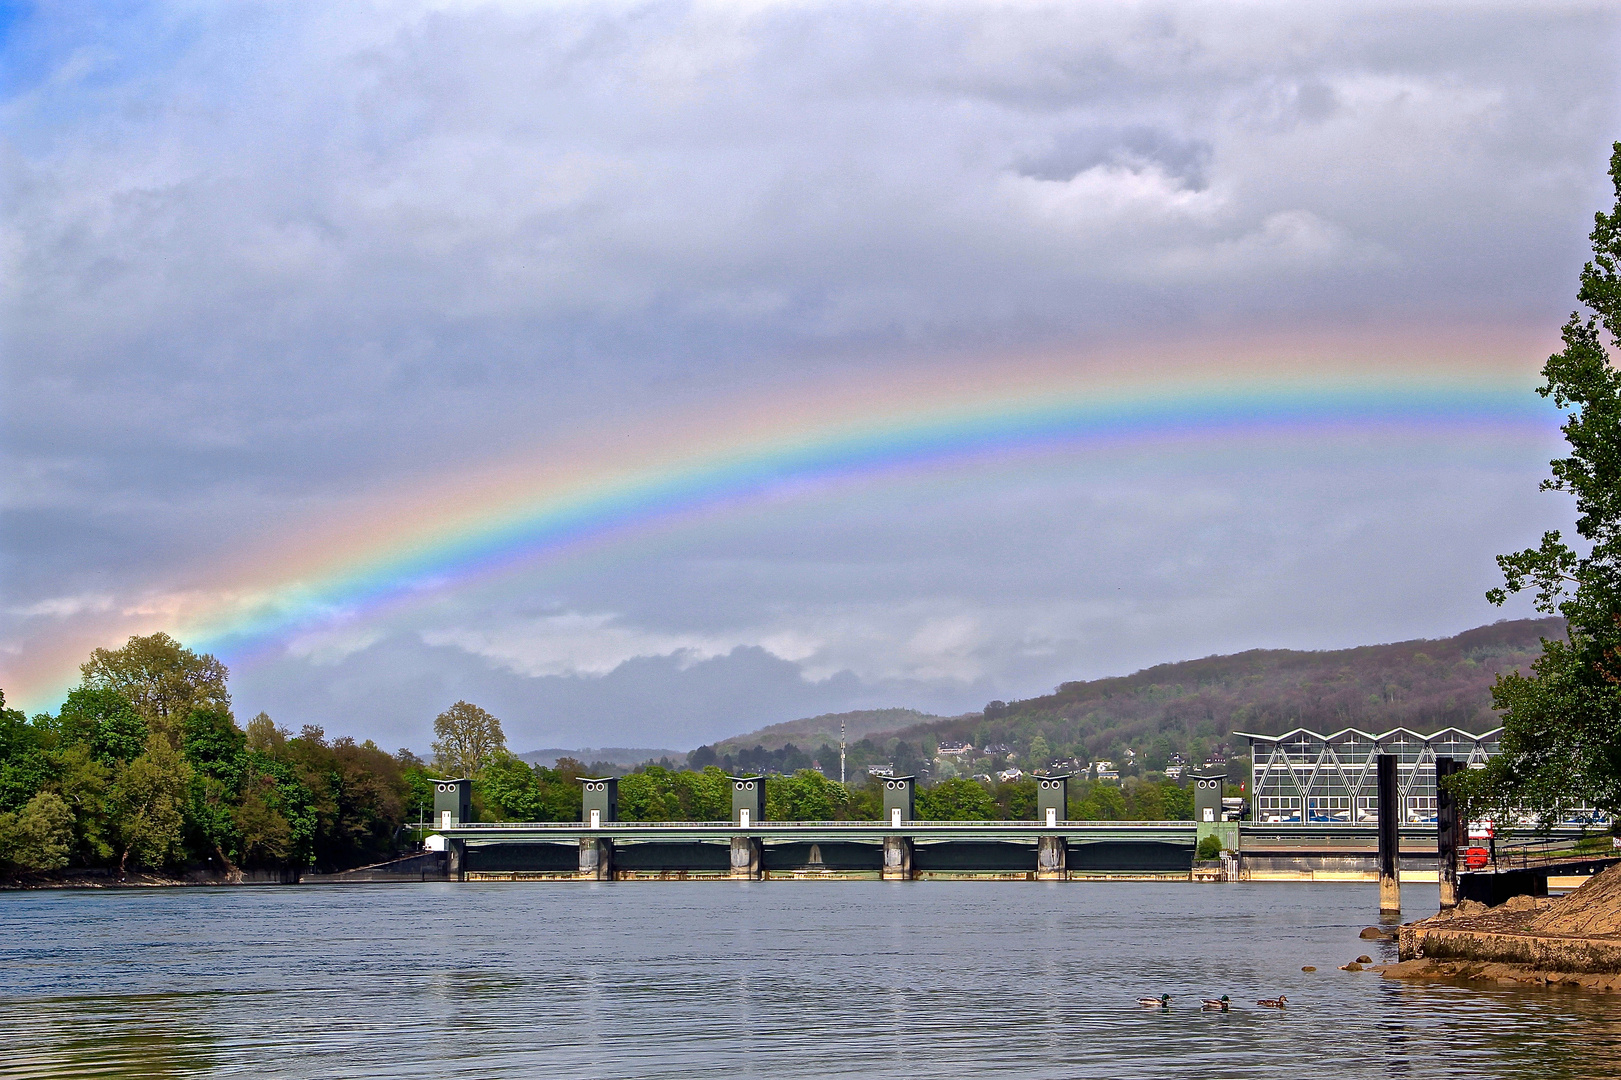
[[65, 607]]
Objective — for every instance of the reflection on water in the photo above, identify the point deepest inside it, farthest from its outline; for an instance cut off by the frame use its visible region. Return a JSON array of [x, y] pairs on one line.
[[667, 979]]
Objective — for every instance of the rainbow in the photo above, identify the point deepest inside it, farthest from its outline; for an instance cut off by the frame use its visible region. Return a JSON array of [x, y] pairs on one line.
[[402, 549]]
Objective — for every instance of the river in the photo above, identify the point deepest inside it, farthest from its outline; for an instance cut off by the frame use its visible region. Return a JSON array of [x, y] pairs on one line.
[[750, 979]]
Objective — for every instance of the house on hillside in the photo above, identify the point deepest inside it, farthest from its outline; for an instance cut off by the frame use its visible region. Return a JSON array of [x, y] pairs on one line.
[[1105, 772], [954, 749], [1007, 776], [880, 770]]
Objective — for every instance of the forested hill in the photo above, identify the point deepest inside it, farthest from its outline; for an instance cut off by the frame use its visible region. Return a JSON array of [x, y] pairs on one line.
[[815, 731], [1191, 708]]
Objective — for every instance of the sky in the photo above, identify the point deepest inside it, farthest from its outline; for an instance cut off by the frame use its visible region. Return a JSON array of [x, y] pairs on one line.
[[651, 372]]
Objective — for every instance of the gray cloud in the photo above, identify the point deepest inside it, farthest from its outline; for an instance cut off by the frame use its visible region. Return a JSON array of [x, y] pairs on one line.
[[262, 260]]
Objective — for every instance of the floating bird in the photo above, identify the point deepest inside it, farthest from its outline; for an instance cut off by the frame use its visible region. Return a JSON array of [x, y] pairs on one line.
[[1220, 1004], [1278, 1002], [1161, 1002]]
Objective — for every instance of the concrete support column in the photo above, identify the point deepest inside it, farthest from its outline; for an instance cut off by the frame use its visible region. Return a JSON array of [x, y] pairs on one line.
[[456, 860], [1390, 815], [1449, 831], [1052, 859], [897, 858], [747, 861], [596, 859]]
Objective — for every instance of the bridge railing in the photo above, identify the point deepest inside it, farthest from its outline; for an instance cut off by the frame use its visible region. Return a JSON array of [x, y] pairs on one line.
[[574, 826]]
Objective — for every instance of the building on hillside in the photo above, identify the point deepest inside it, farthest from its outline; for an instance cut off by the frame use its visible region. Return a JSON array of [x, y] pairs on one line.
[[1306, 776], [1105, 772], [954, 749], [1007, 776], [998, 750], [880, 770]]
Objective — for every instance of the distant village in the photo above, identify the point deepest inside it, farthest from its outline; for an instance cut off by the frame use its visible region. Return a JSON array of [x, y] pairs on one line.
[[948, 759]]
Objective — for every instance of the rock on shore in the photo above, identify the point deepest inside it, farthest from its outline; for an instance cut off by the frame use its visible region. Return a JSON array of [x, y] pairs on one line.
[[1574, 939]]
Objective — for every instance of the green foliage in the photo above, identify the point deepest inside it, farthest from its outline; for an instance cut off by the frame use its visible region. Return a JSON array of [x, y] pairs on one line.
[[106, 721], [1016, 800], [212, 742], [659, 794], [1100, 802], [163, 679], [25, 767], [1209, 848], [467, 738], [1177, 801], [807, 795], [956, 800], [510, 788], [38, 837], [1561, 741], [148, 799], [153, 771]]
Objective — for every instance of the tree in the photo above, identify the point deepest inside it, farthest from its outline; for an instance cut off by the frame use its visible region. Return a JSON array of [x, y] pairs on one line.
[[163, 679], [40, 836], [106, 720], [510, 788], [956, 800], [1561, 741], [805, 796], [264, 735], [468, 739], [24, 765], [148, 796]]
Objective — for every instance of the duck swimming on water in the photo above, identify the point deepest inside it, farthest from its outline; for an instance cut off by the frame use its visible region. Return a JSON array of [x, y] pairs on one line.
[[1161, 1002], [1221, 1004], [1278, 1002]]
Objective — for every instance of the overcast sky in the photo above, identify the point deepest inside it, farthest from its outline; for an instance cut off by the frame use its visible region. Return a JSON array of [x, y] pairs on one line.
[[263, 261]]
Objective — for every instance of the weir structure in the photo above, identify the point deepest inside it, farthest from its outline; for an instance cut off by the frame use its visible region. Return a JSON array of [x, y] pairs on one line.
[[1351, 806]]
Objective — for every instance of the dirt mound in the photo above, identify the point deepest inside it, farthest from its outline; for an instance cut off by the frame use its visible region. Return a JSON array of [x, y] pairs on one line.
[[1594, 910]]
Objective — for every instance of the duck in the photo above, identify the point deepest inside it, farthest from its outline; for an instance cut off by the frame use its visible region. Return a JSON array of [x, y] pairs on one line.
[[1278, 1002], [1221, 1004], [1161, 1002]]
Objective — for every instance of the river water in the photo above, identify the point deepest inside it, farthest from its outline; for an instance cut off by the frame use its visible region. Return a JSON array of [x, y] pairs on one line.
[[760, 979]]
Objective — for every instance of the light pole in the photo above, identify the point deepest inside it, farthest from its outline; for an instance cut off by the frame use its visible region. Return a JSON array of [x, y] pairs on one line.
[[841, 751]]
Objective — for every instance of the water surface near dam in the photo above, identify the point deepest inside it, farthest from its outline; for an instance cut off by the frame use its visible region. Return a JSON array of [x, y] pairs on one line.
[[752, 979]]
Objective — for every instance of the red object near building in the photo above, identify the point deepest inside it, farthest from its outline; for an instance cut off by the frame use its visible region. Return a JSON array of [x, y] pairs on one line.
[[1476, 857]]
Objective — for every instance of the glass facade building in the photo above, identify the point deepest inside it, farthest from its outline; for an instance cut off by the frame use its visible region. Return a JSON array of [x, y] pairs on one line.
[[1304, 776]]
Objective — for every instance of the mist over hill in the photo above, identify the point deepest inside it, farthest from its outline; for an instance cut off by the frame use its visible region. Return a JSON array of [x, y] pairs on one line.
[[1191, 708]]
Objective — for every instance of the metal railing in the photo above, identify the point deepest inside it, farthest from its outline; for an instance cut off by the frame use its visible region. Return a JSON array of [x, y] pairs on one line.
[[574, 826]]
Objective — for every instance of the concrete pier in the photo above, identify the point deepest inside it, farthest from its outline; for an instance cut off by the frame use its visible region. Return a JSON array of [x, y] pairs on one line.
[[596, 859], [747, 858], [897, 858], [1390, 816], [1449, 832], [456, 860], [1052, 859]]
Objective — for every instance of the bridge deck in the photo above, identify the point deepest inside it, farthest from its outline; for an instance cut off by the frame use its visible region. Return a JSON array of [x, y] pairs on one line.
[[800, 832]]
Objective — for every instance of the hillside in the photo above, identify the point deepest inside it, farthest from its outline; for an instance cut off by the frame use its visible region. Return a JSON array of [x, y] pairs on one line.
[[815, 731], [1191, 708]]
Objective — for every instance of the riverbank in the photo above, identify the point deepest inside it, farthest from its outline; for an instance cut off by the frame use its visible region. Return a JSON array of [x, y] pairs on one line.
[[143, 879], [1573, 939]]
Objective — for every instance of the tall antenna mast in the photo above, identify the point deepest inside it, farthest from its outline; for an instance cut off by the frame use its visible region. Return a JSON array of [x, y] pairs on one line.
[[841, 751]]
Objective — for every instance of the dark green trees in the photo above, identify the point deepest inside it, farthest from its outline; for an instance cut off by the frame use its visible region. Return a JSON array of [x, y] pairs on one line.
[[1562, 722], [145, 767]]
